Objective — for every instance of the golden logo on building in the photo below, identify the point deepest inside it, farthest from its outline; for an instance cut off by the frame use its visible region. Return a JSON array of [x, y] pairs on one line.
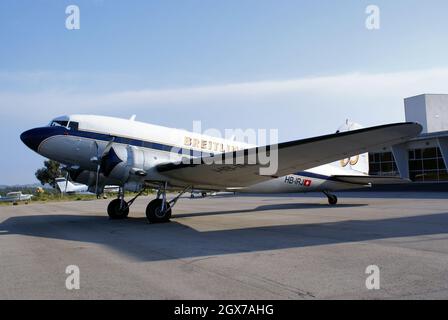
[[352, 160]]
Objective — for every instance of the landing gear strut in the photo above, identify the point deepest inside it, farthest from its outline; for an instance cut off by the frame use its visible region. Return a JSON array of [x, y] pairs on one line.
[[119, 208], [332, 199], [159, 210]]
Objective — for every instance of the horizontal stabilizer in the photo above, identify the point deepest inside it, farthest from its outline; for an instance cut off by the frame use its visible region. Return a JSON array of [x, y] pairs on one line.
[[374, 180]]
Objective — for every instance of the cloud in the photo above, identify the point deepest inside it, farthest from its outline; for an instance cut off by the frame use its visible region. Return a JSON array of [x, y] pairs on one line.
[[300, 108], [349, 88], [354, 85]]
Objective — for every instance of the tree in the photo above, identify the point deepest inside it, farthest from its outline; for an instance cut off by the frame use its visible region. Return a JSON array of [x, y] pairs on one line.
[[49, 173]]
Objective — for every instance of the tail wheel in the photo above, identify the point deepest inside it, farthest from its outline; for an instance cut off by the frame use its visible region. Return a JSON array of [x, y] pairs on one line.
[[115, 210], [155, 214], [332, 199]]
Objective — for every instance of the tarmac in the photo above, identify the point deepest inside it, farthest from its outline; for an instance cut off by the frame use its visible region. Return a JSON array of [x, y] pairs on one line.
[[231, 247]]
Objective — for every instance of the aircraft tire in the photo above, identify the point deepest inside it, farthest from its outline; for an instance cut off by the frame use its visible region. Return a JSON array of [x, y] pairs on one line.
[[332, 200], [114, 212], [153, 212]]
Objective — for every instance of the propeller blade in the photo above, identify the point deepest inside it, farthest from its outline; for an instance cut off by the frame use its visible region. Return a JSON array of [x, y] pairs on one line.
[[98, 168], [107, 149], [99, 159], [67, 176]]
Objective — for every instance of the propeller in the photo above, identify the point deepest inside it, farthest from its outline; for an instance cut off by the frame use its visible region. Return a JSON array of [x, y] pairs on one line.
[[99, 161], [67, 176]]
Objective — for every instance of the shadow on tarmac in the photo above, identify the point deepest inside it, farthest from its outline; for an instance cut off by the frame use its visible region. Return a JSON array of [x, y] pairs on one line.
[[345, 194], [285, 206], [153, 242]]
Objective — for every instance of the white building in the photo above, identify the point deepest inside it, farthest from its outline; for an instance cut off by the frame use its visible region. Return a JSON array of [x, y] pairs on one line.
[[424, 158]]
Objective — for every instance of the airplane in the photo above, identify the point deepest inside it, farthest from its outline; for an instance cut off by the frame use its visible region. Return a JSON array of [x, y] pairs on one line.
[[68, 187], [200, 193], [100, 150], [16, 196]]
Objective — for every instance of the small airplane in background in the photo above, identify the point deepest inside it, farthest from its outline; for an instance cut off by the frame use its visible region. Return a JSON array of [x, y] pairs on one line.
[[200, 193], [99, 151], [68, 187], [16, 196]]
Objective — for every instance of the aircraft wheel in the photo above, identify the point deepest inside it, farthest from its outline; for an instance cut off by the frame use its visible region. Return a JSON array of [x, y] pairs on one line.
[[332, 199], [155, 214], [114, 211], [204, 194]]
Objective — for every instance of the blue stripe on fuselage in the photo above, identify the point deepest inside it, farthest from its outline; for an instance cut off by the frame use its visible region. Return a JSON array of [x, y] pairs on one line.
[[38, 135], [60, 131], [312, 175], [316, 176], [138, 143]]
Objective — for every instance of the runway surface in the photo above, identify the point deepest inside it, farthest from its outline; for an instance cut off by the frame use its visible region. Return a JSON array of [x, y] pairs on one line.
[[226, 247]]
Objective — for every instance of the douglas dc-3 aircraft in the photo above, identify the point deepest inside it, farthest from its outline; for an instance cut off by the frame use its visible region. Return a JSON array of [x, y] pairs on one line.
[[101, 151]]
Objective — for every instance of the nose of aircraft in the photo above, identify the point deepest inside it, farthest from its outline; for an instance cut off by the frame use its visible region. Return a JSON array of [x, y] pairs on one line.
[[29, 139], [34, 137]]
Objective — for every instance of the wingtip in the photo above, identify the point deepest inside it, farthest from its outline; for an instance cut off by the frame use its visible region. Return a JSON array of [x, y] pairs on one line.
[[418, 126], [414, 125]]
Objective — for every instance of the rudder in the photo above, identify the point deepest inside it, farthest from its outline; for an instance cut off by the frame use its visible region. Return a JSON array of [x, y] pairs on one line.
[[359, 163]]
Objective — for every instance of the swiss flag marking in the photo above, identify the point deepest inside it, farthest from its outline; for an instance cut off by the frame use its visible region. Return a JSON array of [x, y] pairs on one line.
[[307, 183]]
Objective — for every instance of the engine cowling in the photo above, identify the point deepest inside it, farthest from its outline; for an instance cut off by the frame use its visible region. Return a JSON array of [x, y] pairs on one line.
[[123, 162], [119, 166]]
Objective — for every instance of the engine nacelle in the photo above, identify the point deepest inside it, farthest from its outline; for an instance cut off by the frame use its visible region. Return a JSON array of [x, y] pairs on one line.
[[83, 176], [121, 163]]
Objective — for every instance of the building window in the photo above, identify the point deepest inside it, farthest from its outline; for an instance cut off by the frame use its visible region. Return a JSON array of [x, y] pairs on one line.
[[427, 165], [382, 164]]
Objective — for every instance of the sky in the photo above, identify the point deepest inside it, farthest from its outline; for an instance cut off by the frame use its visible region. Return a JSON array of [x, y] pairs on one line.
[[301, 67]]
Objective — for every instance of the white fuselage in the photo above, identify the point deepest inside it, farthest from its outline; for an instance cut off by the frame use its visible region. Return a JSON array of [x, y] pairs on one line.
[[141, 147]]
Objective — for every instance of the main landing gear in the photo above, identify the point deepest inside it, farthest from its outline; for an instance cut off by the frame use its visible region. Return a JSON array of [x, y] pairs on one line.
[[332, 199], [157, 211], [119, 208]]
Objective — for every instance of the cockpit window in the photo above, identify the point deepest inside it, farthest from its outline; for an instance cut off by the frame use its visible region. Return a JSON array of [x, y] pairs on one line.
[[59, 123], [73, 125]]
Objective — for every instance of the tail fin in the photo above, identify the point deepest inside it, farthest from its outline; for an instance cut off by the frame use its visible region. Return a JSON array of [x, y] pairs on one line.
[[64, 185], [358, 163]]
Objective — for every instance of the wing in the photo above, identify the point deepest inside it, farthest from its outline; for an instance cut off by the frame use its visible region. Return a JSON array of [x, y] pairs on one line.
[[239, 169]]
